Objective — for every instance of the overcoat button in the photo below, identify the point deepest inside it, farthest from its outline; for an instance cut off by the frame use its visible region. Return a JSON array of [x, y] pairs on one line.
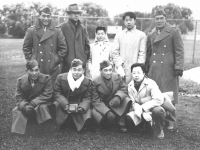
[[48, 60], [40, 52], [154, 53], [51, 44], [41, 59], [154, 61], [163, 54], [50, 53], [161, 62], [165, 46], [39, 44]]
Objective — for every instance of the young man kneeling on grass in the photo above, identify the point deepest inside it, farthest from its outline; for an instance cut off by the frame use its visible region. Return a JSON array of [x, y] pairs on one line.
[[33, 94], [147, 100], [113, 103], [72, 94]]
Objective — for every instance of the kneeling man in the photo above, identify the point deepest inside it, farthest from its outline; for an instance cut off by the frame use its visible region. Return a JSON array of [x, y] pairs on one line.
[[33, 94], [113, 102], [147, 99], [72, 93]]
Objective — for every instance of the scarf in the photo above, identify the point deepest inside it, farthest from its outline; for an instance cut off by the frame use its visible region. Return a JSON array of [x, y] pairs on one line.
[[72, 83]]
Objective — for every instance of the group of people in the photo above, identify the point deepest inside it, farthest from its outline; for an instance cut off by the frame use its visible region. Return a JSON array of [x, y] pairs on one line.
[[132, 82]]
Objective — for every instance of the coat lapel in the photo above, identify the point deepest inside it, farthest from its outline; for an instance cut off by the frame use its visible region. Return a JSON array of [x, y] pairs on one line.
[[78, 30], [101, 86], [143, 84], [38, 86], [164, 33], [26, 87]]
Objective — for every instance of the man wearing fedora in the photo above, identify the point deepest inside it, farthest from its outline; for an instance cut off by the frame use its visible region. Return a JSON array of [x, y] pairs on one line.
[[45, 43], [165, 57], [76, 37]]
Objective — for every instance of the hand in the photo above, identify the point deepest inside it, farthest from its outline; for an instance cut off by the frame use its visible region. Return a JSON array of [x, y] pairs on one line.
[[80, 110], [29, 110], [89, 66], [110, 117], [66, 108], [115, 102], [178, 72], [147, 116], [121, 72], [32, 104]]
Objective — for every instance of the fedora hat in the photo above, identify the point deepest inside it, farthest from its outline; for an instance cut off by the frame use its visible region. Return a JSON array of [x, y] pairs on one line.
[[74, 8]]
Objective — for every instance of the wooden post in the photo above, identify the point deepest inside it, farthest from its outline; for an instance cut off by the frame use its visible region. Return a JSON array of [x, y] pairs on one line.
[[194, 44]]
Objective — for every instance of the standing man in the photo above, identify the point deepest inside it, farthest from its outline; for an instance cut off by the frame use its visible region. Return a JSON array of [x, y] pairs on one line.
[[33, 94], [165, 56], [45, 43], [129, 47], [113, 103], [76, 38]]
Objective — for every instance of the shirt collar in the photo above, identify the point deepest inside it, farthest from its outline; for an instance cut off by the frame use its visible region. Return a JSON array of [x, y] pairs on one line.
[[126, 30]]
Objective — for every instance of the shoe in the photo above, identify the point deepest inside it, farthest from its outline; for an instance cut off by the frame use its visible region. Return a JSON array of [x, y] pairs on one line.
[[161, 135], [171, 126], [123, 129]]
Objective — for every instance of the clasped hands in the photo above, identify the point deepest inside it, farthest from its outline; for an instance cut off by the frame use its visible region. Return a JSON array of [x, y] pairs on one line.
[[139, 112]]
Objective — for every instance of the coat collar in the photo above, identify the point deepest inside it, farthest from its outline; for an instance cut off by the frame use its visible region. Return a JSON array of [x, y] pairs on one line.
[[40, 32], [31, 91], [103, 88], [164, 33]]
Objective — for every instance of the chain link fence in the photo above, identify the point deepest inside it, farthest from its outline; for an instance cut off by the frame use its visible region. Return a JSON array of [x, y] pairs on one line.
[[191, 38]]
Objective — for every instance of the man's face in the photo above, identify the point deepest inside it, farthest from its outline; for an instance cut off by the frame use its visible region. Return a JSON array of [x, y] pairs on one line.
[[107, 72], [100, 35], [77, 72], [34, 73], [45, 18], [160, 21], [129, 22], [74, 15], [137, 74]]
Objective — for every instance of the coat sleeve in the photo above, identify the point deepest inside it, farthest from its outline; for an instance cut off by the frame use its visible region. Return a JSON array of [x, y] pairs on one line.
[[85, 104], [87, 44], [142, 49], [62, 47], [19, 96], [57, 93], [178, 50], [28, 44], [157, 97], [97, 103], [46, 95], [122, 91], [148, 53], [115, 53]]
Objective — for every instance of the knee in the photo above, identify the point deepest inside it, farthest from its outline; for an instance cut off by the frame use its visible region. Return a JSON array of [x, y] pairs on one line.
[[158, 112]]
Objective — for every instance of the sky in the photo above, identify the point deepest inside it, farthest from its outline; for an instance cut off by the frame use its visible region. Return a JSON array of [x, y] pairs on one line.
[[115, 7]]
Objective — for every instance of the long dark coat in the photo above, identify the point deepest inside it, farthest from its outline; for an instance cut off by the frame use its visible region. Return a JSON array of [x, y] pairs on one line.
[[101, 106], [48, 48], [40, 94], [165, 53], [77, 43], [63, 95]]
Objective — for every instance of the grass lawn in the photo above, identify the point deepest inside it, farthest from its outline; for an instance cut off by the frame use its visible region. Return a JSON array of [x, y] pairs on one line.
[[46, 136]]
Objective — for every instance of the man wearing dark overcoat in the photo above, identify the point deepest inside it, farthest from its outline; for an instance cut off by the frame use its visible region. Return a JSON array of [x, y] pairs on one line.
[[113, 103], [165, 56], [72, 95], [45, 43], [76, 37], [33, 94]]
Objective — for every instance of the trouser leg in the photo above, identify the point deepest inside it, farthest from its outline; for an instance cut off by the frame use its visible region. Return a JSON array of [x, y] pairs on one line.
[[158, 115]]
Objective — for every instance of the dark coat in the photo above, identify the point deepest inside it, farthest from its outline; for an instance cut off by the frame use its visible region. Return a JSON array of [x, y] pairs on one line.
[[40, 94], [77, 43], [48, 48], [101, 106], [165, 53], [63, 95]]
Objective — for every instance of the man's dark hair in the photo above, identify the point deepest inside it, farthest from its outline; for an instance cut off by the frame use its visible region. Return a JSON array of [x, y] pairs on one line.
[[130, 14], [139, 65], [101, 28]]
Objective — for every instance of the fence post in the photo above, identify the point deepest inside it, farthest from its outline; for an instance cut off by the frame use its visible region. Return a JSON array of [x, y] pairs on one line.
[[141, 24], [194, 44]]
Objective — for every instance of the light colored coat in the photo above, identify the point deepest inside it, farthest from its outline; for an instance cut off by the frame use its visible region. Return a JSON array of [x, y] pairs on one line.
[[48, 48], [165, 52], [99, 51], [40, 94], [148, 88], [129, 48], [81, 96]]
